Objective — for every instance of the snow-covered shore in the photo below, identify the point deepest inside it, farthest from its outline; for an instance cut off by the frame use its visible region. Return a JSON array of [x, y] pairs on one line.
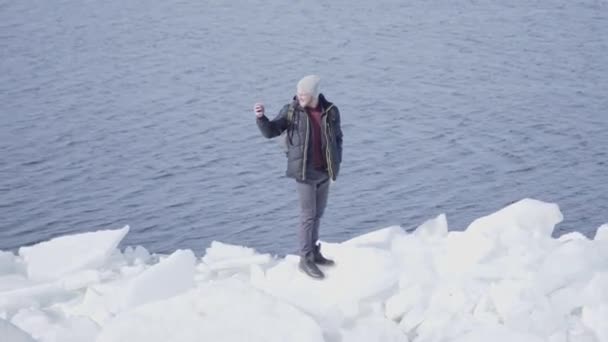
[[502, 279]]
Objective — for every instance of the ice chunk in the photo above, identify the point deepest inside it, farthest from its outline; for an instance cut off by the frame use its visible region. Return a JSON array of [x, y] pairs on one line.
[[504, 279], [567, 299], [577, 331], [75, 329], [463, 252], [7, 263], [433, 228], [595, 318], [496, 333], [34, 321], [374, 329], [228, 310], [28, 293], [404, 301], [572, 260], [572, 236], [53, 326], [533, 216], [442, 326], [522, 306], [360, 273], [13, 282], [221, 256], [595, 311], [412, 319], [380, 238], [507, 297], [67, 254], [601, 234], [80, 280], [416, 260], [596, 290], [137, 255], [101, 301], [239, 264], [451, 298], [484, 311], [11, 333], [33, 295], [448, 310], [169, 277], [219, 251]]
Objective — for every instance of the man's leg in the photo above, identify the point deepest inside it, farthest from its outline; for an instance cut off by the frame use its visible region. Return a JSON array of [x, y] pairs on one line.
[[308, 214], [322, 194], [321, 201]]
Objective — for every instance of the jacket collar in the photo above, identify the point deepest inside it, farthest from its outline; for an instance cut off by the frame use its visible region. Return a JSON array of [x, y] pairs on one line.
[[325, 105]]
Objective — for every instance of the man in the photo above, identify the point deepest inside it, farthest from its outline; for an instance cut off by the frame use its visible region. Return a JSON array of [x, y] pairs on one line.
[[311, 126]]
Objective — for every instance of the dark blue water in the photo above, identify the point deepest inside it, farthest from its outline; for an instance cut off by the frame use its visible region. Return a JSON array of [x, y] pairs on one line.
[[140, 113]]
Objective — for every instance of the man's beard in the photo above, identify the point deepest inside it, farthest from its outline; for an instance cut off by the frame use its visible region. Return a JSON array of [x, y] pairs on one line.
[[309, 103]]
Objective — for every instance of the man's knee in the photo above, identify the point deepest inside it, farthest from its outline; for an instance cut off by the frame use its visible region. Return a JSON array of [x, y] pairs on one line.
[[308, 215], [320, 213]]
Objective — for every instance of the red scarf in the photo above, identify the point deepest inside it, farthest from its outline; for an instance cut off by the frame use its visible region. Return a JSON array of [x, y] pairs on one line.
[[318, 160]]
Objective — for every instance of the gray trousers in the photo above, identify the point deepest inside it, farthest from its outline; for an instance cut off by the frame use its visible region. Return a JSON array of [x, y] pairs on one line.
[[313, 199]]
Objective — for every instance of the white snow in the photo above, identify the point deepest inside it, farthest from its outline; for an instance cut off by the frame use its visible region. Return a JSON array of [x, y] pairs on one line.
[[505, 278]]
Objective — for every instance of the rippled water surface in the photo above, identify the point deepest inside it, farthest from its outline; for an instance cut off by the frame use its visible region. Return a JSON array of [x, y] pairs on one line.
[[139, 112]]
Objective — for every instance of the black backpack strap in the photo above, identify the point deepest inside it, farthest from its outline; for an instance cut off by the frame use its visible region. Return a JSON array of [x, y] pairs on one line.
[[290, 113]]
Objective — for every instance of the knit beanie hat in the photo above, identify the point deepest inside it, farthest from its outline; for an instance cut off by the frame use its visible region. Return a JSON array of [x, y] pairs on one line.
[[309, 85]]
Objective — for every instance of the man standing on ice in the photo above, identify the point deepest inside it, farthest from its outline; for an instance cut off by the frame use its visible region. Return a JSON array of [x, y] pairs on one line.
[[314, 151]]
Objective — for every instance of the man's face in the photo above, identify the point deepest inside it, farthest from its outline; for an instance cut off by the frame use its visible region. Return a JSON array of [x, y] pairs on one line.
[[305, 99]]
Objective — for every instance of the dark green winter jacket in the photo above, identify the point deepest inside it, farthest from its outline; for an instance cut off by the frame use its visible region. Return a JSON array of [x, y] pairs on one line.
[[299, 136]]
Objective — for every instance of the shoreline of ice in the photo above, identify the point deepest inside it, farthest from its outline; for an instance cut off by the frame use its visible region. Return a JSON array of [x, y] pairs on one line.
[[502, 279]]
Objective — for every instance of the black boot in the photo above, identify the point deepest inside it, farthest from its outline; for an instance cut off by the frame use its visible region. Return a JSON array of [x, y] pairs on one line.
[[319, 258], [307, 265]]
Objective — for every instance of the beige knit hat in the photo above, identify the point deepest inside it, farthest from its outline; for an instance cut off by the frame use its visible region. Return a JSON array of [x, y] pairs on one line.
[[309, 85]]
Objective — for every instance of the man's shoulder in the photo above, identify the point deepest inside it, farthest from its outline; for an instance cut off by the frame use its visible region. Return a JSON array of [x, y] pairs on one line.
[[286, 107], [333, 110], [290, 105]]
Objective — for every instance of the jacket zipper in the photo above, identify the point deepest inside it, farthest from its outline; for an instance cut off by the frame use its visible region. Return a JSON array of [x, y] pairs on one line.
[[327, 153], [305, 150]]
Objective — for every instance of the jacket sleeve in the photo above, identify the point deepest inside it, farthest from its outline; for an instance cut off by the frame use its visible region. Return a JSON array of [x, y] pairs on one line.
[[338, 130], [273, 128]]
